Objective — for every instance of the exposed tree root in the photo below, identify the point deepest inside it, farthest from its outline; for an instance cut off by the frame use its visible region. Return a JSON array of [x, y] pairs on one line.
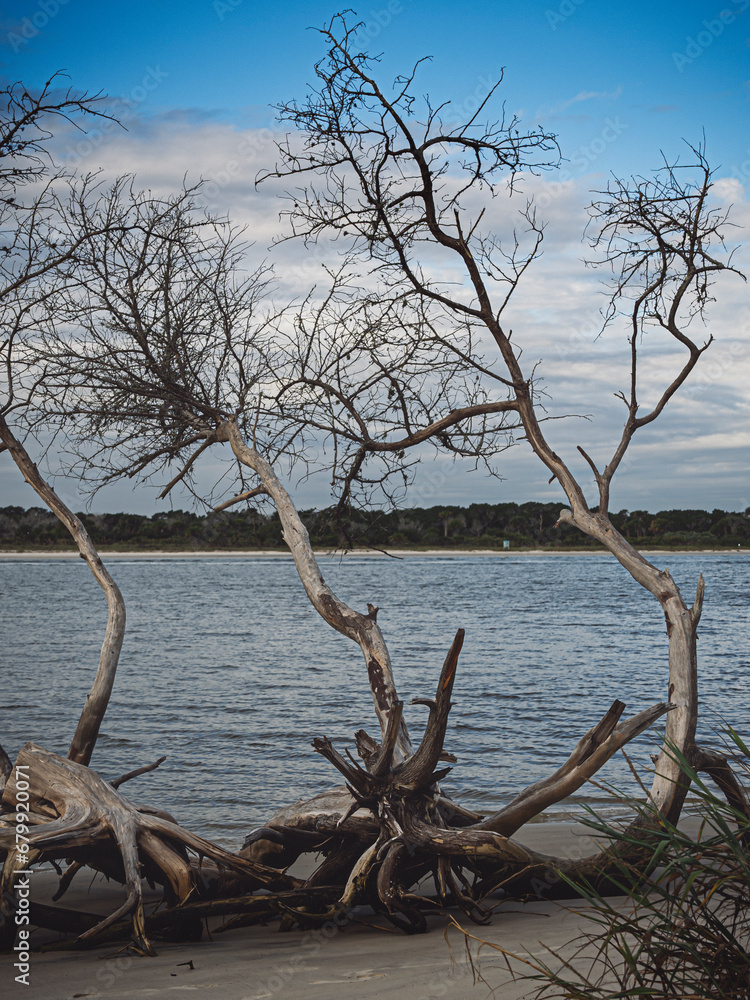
[[390, 827], [74, 813], [384, 837]]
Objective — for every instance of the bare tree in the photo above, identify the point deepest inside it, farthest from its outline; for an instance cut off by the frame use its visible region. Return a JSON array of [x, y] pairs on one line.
[[165, 347], [74, 813], [162, 349], [32, 264], [371, 168]]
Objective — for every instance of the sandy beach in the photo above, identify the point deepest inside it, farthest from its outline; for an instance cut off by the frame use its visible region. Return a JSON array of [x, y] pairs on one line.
[[114, 555], [356, 960]]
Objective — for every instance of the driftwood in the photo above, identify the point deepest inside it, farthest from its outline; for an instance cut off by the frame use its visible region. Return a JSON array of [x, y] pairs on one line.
[[361, 628], [380, 836], [404, 829], [133, 372], [65, 810]]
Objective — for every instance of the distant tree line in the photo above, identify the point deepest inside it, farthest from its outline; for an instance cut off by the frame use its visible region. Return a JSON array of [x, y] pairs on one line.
[[480, 525]]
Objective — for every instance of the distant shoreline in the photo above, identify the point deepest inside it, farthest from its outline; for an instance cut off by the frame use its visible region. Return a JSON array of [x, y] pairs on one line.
[[115, 554]]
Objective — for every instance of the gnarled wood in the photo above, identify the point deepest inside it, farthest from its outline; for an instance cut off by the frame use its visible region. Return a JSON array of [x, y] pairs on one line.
[[72, 809], [418, 769], [718, 768], [590, 754], [406, 821]]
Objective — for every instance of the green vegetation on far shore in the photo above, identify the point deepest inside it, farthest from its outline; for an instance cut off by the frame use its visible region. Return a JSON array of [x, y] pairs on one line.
[[478, 526]]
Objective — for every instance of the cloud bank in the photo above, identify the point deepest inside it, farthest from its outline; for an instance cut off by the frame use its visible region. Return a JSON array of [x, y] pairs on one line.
[[695, 455]]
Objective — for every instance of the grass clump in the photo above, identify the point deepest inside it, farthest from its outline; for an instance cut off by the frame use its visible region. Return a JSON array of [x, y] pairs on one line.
[[681, 926], [684, 928]]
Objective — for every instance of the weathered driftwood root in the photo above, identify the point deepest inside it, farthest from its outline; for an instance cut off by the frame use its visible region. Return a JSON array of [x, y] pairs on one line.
[[381, 836], [249, 909], [66, 810], [391, 827], [716, 765]]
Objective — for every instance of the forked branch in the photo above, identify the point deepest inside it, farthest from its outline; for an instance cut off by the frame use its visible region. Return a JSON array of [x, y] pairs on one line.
[[591, 752]]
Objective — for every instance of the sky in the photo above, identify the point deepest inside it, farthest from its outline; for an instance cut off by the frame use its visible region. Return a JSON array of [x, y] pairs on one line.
[[194, 84]]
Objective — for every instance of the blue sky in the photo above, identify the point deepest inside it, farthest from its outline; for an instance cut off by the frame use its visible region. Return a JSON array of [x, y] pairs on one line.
[[618, 83], [667, 69]]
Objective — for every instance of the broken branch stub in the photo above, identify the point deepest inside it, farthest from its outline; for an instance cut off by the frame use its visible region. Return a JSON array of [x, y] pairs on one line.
[[407, 826]]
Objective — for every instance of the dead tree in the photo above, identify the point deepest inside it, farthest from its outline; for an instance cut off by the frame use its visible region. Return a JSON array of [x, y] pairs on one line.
[[158, 352], [368, 168], [32, 267], [71, 812]]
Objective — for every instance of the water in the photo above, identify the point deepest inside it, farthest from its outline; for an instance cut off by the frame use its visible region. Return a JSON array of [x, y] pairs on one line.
[[228, 671]]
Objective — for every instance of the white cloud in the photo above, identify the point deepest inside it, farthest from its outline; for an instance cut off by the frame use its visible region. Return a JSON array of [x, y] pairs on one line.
[[586, 95], [555, 316]]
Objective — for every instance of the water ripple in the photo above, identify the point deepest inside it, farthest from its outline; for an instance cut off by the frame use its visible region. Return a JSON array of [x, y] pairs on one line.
[[550, 642]]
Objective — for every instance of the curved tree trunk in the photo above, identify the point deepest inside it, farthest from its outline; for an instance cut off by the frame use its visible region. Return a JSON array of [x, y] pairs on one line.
[[668, 788], [84, 739], [362, 628]]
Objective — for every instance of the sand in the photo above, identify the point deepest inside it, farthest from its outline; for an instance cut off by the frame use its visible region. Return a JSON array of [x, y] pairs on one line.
[[114, 555], [336, 963]]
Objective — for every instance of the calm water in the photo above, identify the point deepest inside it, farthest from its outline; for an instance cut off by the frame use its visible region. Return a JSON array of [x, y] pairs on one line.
[[228, 670]]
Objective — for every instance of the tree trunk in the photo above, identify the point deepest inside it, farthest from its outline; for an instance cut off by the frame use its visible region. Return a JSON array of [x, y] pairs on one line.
[[668, 788], [362, 628], [84, 739]]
